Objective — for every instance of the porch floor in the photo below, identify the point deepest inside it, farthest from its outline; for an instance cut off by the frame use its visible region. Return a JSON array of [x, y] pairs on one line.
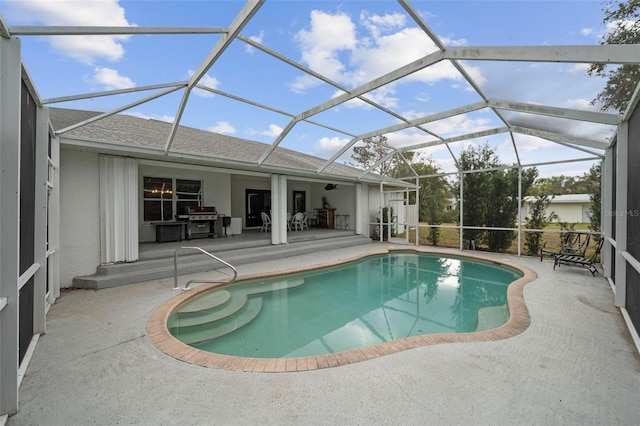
[[248, 239]]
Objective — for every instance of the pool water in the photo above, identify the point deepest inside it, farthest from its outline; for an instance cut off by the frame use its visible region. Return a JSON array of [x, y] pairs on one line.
[[362, 303]]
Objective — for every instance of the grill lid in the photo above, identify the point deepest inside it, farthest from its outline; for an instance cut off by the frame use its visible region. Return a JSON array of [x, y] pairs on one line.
[[201, 210]]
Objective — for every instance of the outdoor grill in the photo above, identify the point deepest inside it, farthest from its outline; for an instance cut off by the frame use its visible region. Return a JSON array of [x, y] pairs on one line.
[[201, 222]]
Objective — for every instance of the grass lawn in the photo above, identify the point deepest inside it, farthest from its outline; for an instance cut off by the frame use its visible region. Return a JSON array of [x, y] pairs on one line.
[[450, 237]]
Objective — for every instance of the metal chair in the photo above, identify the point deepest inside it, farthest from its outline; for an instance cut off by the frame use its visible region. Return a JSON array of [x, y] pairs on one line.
[[580, 259], [571, 242]]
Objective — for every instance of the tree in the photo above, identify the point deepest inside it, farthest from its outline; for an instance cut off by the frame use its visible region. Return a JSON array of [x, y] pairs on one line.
[[491, 197], [558, 185], [593, 178], [434, 192], [373, 150], [624, 20], [537, 220], [476, 188]]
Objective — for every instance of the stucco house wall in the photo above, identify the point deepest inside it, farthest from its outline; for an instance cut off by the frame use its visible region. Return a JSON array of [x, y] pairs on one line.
[[572, 208], [79, 214]]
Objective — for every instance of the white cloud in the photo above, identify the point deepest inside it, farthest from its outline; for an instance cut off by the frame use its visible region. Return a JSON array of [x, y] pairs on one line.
[[303, 82], [222, 127], [207, 81], [586, 31], [258, 39], [377, 24], [78, 13], [111, 79], [403, 139], [274, 131], [583, 104], [320, 45], [413, 114], [165, 118], [527, 143], [578, 68], [353, 55], [458, 125], [383, 96], [328, 146]]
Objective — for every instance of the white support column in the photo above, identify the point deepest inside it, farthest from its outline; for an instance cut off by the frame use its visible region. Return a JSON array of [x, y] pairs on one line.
[[54, 221], [40, 220], [359, 204], [10, 98], [275, 209], [381, 211], [621, 209], [282, 209], [519, 211], [118, 209], [417, 211], [461, 206], [605, 213]]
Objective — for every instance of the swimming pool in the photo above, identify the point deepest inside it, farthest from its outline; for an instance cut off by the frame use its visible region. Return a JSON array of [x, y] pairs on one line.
[[396, 300]]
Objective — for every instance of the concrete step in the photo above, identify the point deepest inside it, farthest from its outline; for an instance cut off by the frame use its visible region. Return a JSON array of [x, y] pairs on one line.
[[205, 332], [115, 275], [186, 316]]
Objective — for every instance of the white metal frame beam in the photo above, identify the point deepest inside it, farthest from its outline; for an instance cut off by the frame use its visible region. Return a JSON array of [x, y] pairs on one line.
[[571, 114], [596, 54], [242, 19], [59, 30]]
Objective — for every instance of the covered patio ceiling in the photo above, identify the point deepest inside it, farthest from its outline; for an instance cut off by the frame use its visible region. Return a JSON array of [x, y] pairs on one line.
[[343, 112]]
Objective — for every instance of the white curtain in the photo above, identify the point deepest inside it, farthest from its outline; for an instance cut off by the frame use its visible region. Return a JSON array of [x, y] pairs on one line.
[[118, 209]]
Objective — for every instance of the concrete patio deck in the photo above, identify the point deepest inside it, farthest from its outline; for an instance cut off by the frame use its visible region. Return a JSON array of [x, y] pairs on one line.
[[575, 364]]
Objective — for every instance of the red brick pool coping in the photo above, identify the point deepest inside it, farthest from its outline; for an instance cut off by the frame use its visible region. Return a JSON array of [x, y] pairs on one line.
[[160, 337]]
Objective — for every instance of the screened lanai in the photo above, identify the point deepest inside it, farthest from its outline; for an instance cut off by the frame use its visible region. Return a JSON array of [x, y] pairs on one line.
[[317, 78], [337, 81], [496, 92]]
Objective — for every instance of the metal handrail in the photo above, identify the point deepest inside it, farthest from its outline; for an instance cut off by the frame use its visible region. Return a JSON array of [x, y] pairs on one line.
[[186, 286]]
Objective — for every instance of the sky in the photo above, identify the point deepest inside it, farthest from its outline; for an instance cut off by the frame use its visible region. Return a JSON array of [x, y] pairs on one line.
[[349, 42]]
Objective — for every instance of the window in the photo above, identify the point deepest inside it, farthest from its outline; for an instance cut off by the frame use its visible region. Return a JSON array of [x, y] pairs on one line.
[[187, 195], [164, 197]]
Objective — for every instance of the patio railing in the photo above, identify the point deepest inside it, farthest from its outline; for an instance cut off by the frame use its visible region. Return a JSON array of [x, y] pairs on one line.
[[186, 286]]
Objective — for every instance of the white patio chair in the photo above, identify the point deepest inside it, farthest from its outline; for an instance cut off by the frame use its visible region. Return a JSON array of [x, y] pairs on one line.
[[298, 221], [266, 222]]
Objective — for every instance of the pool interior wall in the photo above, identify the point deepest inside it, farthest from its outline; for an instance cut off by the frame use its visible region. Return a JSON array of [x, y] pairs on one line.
[[160, 336]]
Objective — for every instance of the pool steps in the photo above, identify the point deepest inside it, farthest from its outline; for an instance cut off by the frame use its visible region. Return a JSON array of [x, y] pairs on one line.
[[491, 317], [212, 300], [159, 264], [215, 315], [205, 332]]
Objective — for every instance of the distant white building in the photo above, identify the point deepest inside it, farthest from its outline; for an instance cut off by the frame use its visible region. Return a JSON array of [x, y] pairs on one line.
[[572, 208]]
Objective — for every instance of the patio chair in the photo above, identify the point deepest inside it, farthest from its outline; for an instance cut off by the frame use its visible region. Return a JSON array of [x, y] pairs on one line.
[[298, 221], [579, 260], [266, 222], [571, 242]]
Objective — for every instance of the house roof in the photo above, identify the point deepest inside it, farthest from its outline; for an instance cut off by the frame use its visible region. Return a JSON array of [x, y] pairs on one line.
[[144, 137], [571, 198], [565, 199]]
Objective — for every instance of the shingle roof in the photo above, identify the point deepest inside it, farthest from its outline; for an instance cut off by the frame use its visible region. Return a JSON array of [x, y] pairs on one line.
[[565, 198], [126, 130]]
